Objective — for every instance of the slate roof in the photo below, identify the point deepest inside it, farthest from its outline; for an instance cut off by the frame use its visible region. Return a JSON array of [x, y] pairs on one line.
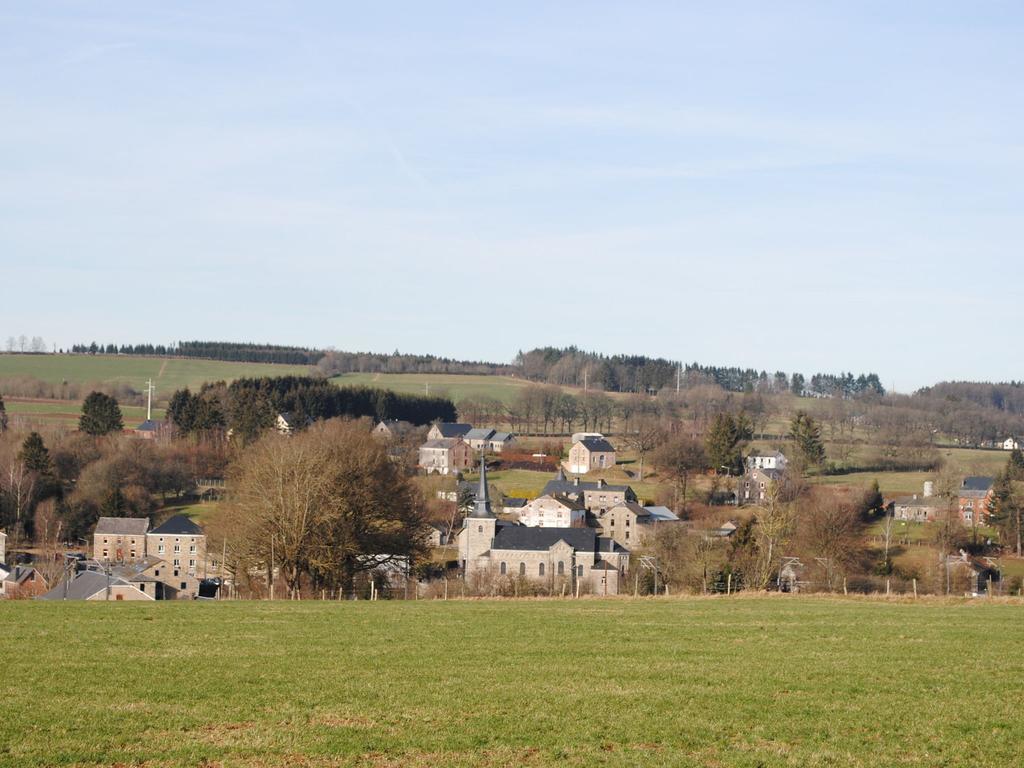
[[514, 502], [501, 437], [449, 429], [977, 484], [441, 442], [478, 434], [149, 425], [542, 539], [661, 514], [562, 487], [122, 526], [917, 501], [598, 444], [179, 525], [635, 508], [83, 586]]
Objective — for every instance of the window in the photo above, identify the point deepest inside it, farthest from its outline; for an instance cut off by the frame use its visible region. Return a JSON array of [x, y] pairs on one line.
[[177, 548], [184, 585], [540, 569], [503, 568], [192, 563], [104, 541], [106, 554], [177, 562], [133, 554], [479, 529], [627, 535], [160, 549], [522, 569], [561, 568], [627, 522], [192, 549], [156, 572], [579, 571]]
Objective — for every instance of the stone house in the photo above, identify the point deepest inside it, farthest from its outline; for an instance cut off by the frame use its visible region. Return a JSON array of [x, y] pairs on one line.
[[559, 558], [442, 430], [918, 509], [591, 453], [120, 539], [756, 484], [392, 429], [595, 495], [978, 571], [181, 545], [975, 499], [445, 456], [553, 512], [630, 524], [19, 581], [437, 535]]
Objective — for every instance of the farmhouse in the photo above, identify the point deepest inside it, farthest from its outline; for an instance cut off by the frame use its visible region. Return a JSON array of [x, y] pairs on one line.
[[392, 429], [555, 557], [20, 581], [979, 571], [629, 524], [591, 453], [756, 484], [1012, 444], [120, 539], [445, 456], [975, 500], [437, 535], [444, 430]]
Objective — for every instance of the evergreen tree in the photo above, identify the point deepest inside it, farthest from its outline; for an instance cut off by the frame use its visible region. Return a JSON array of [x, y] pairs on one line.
[[3, 415], [100, 415], [35, 455], [722, 444], [874, 502], [806, 433], [1015, 464]]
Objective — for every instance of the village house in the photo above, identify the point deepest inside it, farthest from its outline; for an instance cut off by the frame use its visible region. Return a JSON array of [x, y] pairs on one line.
[[767, 460], [1012, 444], [559, 558], [630, 524], [437, 535], [590, 453], [553, 512], [975, 498], [445, 430], [392, 429], [287, 423], [151, 429], [96, 585], [918, 509], [513, 505], [445, 456], [977, 572], [181, 545], [756, 484], [20, 581], [595, 495], [120, 539]]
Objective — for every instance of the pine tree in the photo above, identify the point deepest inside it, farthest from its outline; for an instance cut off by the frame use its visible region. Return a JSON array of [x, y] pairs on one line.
[[1015, 464], [100, 415], [807, 434], [3, 416], [722, 443], [35, 455]]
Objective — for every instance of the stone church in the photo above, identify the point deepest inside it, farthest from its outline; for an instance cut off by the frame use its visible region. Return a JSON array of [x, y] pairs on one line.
[[493, 548]]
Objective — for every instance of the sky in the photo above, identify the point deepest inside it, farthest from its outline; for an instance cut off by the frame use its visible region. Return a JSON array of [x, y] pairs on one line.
[[816, 186]]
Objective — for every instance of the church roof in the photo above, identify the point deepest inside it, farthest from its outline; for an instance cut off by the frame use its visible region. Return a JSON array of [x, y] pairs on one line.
[[482, 508], [542, 539]]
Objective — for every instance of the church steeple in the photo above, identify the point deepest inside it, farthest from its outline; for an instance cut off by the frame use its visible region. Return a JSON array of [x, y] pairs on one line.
[[482, 509]]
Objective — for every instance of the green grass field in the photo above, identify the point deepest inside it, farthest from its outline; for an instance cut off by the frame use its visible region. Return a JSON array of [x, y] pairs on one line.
[[726, 682], [456, 387], [168, 374]]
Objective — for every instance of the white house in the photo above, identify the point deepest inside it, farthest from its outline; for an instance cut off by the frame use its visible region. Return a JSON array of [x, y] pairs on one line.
[[1012, 444], [552, 512], [767, 460]]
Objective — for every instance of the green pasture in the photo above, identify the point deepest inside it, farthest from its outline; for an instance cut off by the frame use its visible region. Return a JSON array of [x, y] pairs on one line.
[[453, 386], [747, 681]]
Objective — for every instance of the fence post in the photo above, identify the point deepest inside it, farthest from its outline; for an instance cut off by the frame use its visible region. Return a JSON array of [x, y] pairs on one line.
[[728, 584], [915, 589], [844, 586]]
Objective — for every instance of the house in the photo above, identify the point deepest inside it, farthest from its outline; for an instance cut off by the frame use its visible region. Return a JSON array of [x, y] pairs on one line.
[[443, 430], [629, 523], [151, 429], [767, 460], [577, 436], [437, 535], [918, 509], [591, 453], [1012, 444], [565, 558], [595, 495], [181, 545], [20, 581], [499, 441], [392, 429], [513, 505], [120, 539], [95, 585], [553, 512], [479, 439], [978, 571], [287, 423], [975, 499], [150, 575], [445, 456], [756, 484]]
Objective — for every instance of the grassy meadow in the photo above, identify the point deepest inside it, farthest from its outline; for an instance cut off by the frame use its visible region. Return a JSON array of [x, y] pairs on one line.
[[741, 681], [454, 386]]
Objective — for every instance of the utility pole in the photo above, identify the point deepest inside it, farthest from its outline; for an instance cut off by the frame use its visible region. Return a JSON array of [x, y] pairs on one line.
[[149, 400], [679, 376]]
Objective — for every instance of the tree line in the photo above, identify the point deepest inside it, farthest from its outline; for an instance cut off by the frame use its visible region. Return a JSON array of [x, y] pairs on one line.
[[249, 406], [228, 351]]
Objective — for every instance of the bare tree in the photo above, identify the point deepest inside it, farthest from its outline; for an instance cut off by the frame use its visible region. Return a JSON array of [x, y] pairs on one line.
[[775, 520], [646, 435]]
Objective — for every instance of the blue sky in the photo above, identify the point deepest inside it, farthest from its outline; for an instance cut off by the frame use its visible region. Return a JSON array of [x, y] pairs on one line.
[[804, 186]]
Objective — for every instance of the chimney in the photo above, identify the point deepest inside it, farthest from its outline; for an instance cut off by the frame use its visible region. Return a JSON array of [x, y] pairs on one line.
[[601, 483], [576, 481]]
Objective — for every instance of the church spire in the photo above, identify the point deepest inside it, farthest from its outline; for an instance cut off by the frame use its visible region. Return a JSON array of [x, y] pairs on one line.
[[483, 498]]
